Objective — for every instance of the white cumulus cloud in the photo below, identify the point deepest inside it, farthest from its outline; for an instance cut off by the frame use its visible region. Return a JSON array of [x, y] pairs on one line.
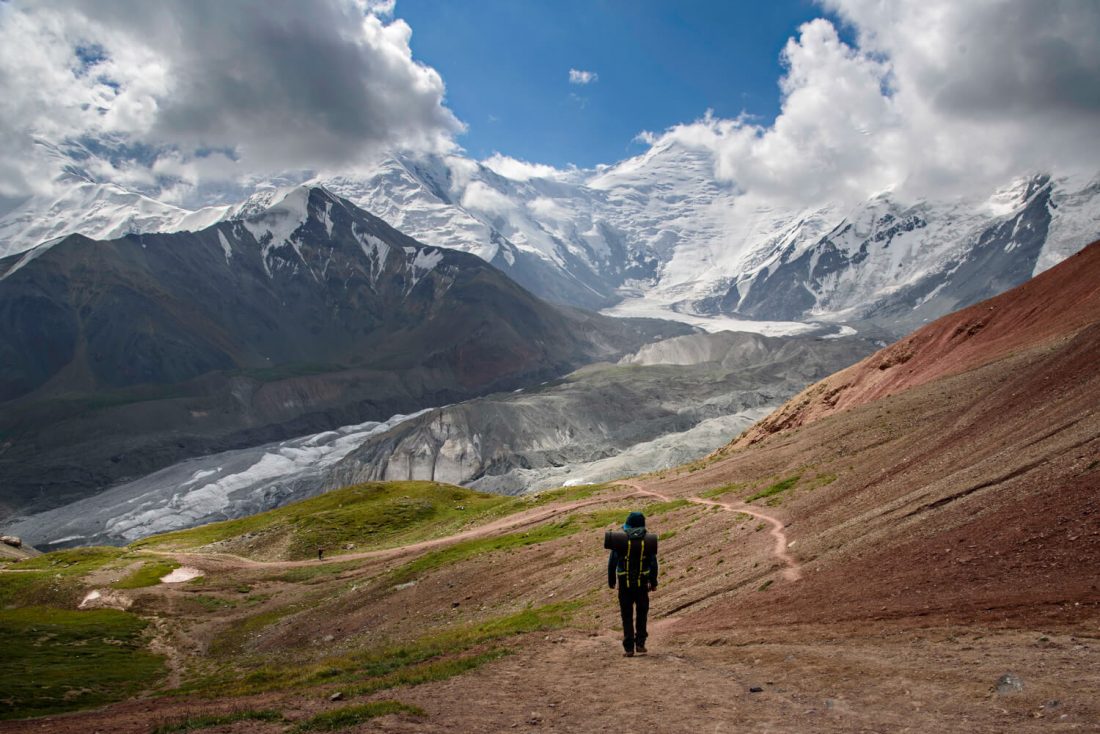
[[269, 86], [578, 76], [935, 96], [518, 170]]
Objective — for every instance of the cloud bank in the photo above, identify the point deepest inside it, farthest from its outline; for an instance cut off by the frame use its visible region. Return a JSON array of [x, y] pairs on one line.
[[932, 96], [935, 97], [209, 87]]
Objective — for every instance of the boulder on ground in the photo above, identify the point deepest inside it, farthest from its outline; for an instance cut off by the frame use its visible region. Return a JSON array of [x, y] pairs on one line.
[[11, 540]]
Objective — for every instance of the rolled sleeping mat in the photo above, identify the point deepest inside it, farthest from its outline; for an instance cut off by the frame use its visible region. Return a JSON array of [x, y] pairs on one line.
[[616, 540]]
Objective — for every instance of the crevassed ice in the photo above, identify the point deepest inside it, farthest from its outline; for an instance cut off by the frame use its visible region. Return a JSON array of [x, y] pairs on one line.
[[200, 499]]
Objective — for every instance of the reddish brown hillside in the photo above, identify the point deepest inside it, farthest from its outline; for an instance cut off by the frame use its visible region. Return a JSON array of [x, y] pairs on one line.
[[1051, 307]]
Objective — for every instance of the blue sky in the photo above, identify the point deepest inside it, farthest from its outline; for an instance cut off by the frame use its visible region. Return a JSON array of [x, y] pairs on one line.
[[506, 66]]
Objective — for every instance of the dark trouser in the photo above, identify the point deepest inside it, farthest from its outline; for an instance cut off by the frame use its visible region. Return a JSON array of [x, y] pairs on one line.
[[629, 599]]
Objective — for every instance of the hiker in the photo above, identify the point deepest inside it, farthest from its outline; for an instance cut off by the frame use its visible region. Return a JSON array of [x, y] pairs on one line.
[[633, 564], [320, 553]]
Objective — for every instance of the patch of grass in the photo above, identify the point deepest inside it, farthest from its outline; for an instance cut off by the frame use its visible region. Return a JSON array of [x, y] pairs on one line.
[[428, 672], [367, 516], [764, 586], [205, 721], [475, 547], [821, 480], [717, 492], [58, 660], [781, 486], [73, 560], [426, 659], [211, 603], [232, 640], [569, 494], [149, 574], [353, 715], [52, 579]]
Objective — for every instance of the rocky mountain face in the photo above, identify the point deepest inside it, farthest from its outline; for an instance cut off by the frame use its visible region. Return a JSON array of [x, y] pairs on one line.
[[902, 266], [662, 232], [122, 356]]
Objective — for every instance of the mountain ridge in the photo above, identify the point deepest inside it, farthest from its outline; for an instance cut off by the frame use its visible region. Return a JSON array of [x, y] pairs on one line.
[[662, 229]]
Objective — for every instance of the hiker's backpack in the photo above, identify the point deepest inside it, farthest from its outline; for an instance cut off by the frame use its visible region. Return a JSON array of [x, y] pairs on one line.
[[634, 554]]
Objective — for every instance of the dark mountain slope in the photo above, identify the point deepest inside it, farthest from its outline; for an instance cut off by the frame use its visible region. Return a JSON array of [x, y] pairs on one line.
[[119, 357]]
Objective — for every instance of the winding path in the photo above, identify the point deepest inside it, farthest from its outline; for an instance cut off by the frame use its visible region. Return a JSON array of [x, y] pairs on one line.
[[509, 522], [792, 572]]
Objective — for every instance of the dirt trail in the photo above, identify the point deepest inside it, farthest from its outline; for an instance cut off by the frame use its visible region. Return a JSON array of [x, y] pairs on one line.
[[792, 572], [510, 522]]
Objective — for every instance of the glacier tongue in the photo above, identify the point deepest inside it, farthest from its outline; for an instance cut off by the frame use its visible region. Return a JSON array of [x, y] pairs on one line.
[[206, 489]]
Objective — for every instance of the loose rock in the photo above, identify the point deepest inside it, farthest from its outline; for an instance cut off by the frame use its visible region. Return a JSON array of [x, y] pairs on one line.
[[1009, 683]]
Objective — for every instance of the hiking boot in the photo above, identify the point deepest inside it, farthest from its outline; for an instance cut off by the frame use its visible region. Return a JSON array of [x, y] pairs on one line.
[[641, 649], [628, 654]]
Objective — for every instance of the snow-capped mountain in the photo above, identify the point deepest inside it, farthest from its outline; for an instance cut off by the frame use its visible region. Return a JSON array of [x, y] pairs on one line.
[[99, 211], [120, 356], [661, 234]]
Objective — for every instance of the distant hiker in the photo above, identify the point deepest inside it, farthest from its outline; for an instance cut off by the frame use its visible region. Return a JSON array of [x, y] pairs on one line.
[[633, 564], [320, 553]]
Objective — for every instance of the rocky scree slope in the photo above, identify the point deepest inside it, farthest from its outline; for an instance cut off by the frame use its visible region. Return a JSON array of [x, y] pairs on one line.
[[120, 357], [669, 403]]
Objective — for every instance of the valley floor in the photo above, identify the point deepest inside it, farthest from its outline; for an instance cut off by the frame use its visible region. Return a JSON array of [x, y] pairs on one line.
[[875, 670], [926, 561]]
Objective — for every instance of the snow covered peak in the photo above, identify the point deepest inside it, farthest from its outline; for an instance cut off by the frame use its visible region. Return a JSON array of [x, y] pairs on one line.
[[661, 228], [96, 210], [668, 162]]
